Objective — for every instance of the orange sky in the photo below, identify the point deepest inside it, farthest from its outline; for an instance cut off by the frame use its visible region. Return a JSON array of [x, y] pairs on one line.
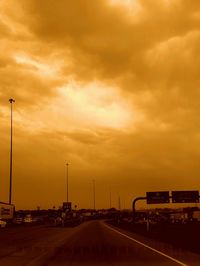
[[111, 86]]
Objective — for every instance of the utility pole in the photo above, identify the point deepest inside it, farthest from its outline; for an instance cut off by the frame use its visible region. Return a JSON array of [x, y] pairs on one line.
[[11, 136]]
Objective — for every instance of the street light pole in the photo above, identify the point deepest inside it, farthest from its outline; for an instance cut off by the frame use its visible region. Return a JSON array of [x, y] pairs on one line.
[[67, 164], [94, 192], [119, 203], [110, 197], [11, 133]]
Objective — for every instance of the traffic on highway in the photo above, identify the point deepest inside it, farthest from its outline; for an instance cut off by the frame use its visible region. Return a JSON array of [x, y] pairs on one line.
[[99, 237]]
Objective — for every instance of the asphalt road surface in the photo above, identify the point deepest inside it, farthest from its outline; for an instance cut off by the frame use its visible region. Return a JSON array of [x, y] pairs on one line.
[[91, 243]]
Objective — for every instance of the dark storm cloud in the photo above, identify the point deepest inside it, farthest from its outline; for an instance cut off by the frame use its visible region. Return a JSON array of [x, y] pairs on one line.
[[150, 55]]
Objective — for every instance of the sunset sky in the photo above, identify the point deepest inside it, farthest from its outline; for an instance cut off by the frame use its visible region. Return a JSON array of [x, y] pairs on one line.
[[110, 86]]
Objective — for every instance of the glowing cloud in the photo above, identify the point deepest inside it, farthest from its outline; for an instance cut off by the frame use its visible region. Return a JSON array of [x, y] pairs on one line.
[[77, 107], [42, 68], [96, 104]]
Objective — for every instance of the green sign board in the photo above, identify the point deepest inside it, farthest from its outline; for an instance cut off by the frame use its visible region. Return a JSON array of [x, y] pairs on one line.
[[190, 196], [157, 197]]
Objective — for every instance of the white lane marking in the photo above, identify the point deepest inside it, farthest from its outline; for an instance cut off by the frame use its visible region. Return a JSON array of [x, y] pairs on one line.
[[146, 246]]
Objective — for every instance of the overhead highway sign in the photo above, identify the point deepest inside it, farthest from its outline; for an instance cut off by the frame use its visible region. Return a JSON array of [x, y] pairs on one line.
[[157, 197], [190, 196]]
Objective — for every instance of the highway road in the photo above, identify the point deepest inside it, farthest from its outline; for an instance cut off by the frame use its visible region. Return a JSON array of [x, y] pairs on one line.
[[91, 243]]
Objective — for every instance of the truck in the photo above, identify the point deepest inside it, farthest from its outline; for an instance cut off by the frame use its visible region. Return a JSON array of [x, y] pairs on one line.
[[6, 213], [67, 218]]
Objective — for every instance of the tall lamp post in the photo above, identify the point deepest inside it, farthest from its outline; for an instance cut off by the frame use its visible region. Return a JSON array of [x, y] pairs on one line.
[[119, 203], [93, 181], [110, 197], [67, 165], [11, 133]]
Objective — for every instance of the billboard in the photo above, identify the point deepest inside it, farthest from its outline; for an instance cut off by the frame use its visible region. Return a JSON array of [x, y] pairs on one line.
[[157, 197], [190, 196]]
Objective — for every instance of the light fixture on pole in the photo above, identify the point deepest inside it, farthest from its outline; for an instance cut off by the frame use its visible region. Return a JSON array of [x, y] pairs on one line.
[[11, 136]]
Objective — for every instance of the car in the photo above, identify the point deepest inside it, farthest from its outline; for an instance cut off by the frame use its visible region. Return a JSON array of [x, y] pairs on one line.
[[2, 223], [18, 220], [38, 220], [28, 219], [59, 221]]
